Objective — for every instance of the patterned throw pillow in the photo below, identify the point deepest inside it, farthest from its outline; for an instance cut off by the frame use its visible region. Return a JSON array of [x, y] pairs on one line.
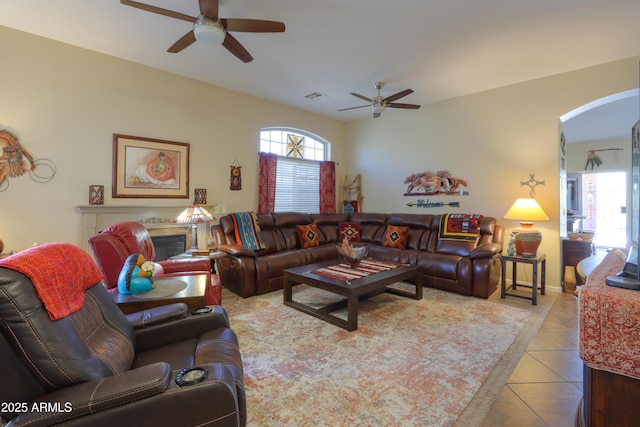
[[396, 237], [350, 230], [308, 235]]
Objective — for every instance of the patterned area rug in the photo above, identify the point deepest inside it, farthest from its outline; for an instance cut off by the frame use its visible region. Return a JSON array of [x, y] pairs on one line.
[[410, 363]]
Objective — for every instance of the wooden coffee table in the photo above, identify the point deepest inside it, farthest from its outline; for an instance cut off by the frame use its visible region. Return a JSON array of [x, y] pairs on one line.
[[192, 295], [354, 290]]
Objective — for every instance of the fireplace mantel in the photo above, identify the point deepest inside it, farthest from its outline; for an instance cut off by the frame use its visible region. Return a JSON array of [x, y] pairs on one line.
[[97, 217]]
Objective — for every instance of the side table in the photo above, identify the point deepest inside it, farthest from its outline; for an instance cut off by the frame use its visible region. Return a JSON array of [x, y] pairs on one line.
[[193, 295], [540, 259], [213, 256]]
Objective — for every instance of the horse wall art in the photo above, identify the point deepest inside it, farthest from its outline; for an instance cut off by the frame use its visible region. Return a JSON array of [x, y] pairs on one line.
[[441, 183]]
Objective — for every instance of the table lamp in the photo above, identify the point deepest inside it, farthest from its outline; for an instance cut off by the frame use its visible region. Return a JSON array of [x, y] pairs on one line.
[[526, 237], [194, 215]]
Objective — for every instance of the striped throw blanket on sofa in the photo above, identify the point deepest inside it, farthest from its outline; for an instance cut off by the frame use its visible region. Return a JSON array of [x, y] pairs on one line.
[[247, 230]]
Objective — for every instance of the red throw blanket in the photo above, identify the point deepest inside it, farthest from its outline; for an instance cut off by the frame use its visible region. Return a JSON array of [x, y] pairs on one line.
[[60, 273]]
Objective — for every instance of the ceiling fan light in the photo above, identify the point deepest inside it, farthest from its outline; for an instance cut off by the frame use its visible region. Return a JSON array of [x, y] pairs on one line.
[[378, 108], [208, 31]]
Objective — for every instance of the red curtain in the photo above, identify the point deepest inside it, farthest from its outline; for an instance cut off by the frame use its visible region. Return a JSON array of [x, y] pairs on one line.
[[267, 182], [327, 187]]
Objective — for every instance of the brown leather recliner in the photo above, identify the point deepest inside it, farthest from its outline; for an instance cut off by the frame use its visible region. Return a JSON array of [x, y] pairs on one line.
[[97, 367], [115, 243]]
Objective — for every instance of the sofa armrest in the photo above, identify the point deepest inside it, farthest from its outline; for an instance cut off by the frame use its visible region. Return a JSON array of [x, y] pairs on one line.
[[184, 265], [94, 396], [237, 250], [144, 396], [157, 315], [486, 250], [192, 326]]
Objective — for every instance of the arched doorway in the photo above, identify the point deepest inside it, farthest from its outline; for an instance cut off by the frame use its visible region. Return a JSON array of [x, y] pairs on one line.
[[595, 170]]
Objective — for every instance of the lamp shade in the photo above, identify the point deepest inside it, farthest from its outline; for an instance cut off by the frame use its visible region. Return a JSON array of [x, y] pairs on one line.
[[193, 215], [526, 210], [527, 238]]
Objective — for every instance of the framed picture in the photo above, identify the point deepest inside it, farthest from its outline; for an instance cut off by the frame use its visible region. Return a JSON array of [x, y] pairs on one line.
[[96, 194], [200, 196], [150, 168]]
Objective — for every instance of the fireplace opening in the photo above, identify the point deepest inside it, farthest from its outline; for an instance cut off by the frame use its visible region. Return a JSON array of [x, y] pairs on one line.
[[168, 246]]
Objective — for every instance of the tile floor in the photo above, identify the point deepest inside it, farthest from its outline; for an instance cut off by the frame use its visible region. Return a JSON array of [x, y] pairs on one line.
[[546, 385]]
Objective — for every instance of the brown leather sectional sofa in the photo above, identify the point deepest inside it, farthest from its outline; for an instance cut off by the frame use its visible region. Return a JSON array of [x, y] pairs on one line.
[[463, 267]]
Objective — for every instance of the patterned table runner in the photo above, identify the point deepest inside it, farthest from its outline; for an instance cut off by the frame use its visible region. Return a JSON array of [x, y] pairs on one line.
[[345, 272]]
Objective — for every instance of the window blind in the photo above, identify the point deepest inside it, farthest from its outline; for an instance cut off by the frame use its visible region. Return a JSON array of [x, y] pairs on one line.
[[297, 186]]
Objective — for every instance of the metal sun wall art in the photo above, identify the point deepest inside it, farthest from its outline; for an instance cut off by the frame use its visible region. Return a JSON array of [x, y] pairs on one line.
[[441, 183], [15, 161]]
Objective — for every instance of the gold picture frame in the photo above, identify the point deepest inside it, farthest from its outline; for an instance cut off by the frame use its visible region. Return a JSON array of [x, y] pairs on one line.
[[149, 168]]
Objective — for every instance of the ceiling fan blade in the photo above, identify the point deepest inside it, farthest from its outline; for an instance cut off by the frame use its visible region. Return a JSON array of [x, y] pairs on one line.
[[362, 97], [400, 105], [209, 8], [353, 108], [398, 95], [158, 10], [183, 42], [253, 25], [236, 48]]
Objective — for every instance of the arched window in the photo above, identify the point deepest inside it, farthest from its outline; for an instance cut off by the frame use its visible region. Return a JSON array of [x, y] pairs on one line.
[[294, 144], [295, 172]]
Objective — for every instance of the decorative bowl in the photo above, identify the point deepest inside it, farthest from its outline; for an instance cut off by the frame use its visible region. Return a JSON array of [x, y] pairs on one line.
[[353, 255], [573, 236], [587, 235]]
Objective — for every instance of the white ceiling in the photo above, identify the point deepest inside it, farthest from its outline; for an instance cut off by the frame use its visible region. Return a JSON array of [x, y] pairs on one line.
[[439, 48]]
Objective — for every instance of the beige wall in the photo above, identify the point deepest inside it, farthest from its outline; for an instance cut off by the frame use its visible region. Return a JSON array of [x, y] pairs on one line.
[[493, 139], [65, 104]]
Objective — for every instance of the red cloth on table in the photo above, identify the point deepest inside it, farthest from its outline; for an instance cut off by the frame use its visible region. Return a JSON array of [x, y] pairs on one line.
[[60, 273], [609, 322]]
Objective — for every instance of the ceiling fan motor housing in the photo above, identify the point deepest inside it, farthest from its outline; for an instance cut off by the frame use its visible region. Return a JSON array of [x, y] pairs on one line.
[[209, 31]]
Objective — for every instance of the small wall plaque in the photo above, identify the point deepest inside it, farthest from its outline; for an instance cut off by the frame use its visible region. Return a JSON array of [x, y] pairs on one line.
[[236, 176], [200, 196], [96, 194]]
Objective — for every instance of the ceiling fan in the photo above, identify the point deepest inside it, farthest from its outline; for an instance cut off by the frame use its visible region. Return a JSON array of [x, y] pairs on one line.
[[379, 104], [209, 28]]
